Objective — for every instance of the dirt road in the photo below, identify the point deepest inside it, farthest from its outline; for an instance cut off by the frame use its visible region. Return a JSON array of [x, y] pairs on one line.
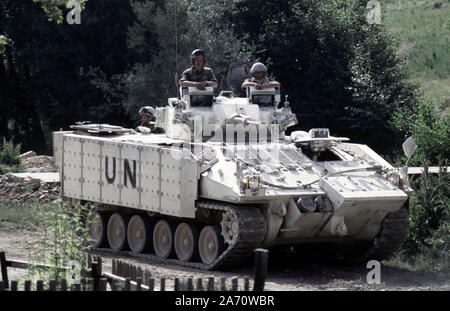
[[285, 273]]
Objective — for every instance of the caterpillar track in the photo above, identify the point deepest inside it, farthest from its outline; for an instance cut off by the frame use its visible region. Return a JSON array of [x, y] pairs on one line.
[[393, 232], [252, 232]]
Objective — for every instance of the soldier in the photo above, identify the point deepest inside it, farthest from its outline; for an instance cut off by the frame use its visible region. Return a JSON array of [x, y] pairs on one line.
[[259, 79], [198, 75], [147, 114]]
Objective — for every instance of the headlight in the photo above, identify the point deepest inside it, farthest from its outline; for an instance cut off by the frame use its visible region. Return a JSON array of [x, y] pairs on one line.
[[397, 178], [394, 178], [251, 181], [254, 182]]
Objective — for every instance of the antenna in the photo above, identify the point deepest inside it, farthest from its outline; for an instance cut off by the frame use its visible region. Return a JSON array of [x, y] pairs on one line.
[[176, 48]]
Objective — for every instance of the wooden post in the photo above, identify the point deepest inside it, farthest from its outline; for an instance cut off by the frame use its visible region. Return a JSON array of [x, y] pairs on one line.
[[52, 285], [246, 283], [163, 284], [114, 267], [39, 285], [113, 285], [223, 286], [123, 272], [102, 284], [127, 284], [147, 277], [2, 286], [261, 260], [84, 284], [210, 284], [128, 270], [14, 286], [119, 268], [27, 286], [177, 285], [140, 273], [96, 274], [151, 285], [190, 285], [100, 268], [199, 284], [90, 285], [4, 269], [138, 284], [63, 286], [235, 284]]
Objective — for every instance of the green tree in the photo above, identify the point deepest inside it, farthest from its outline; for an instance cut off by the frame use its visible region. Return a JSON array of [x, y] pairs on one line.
[[339, 71], [49, 71], [171, 31], [54, 8]]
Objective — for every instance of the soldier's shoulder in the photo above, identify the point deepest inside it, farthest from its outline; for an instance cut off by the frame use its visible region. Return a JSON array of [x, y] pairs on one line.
[[188, 70], [207, 68]]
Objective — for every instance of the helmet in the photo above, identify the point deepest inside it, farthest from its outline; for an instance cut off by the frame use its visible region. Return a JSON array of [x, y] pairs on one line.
[[258, 67], [148, 110], [196, 53]]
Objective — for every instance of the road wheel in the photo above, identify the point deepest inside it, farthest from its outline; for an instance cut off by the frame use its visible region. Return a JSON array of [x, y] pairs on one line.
[[98, 222], [163, 239], [117, 232], [210, 244], [139, 233], [186, 242]]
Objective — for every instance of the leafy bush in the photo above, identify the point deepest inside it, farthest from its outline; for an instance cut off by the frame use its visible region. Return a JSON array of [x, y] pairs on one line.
[[9, 153], [9, 157], [430, 129], [428, 238], [65, 241]]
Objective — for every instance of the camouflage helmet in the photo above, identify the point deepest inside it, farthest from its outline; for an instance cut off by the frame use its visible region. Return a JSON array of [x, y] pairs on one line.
[[148, 110], [196, 53], [258, 67]]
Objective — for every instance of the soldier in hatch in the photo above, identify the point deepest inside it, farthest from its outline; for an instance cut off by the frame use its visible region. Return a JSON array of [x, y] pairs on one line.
[[148, 120], [259, 79], [198, 75]]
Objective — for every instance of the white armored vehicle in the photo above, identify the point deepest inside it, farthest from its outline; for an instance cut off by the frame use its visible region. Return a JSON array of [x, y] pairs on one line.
[[225, 179]]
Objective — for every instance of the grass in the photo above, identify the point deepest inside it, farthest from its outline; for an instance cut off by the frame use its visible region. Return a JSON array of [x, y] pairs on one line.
[[423, 28], [420, 263], [24, 214]]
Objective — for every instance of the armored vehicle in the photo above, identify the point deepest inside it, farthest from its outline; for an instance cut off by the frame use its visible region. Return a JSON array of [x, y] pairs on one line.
[[224, 179]]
